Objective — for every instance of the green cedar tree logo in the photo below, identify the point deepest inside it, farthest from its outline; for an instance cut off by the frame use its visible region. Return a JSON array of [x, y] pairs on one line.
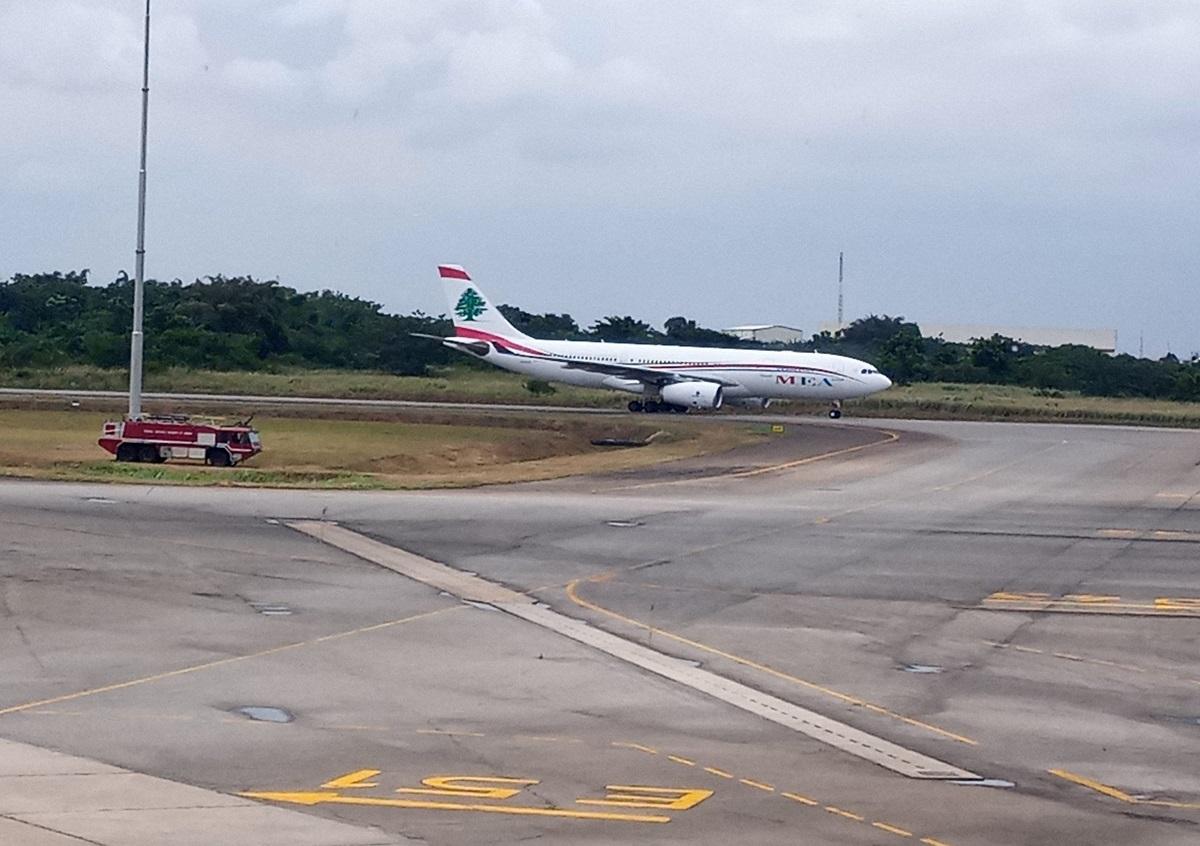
[[470, 305]]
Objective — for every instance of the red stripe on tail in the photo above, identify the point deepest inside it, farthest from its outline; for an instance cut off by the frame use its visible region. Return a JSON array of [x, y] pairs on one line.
[[448, 272]]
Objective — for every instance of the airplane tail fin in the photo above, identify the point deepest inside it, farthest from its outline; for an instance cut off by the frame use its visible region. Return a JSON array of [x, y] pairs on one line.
[[473, 314]]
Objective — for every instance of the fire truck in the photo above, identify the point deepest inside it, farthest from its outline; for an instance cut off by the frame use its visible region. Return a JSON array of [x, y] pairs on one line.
[[154, 439]]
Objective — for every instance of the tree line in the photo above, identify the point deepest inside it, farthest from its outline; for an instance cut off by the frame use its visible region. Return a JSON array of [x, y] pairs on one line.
[[240, 323]]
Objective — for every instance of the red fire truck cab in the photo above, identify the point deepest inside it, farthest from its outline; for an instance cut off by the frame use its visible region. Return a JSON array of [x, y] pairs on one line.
[[157, 438]]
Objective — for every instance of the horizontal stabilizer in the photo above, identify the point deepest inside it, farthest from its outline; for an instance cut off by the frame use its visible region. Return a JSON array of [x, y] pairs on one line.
[[460, 344]]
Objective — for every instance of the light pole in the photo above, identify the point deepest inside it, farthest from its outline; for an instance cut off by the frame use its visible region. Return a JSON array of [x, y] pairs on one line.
[[135, 340]]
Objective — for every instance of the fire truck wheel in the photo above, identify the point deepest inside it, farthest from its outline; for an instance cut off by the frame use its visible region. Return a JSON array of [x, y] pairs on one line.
[[127, 452], [148, 453], [218, 458]]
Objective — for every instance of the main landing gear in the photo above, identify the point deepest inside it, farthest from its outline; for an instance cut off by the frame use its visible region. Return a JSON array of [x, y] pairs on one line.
[[836, 411], [654, 407]]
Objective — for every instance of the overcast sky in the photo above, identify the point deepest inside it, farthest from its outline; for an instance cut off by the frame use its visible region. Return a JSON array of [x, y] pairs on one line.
[[1030, 163]]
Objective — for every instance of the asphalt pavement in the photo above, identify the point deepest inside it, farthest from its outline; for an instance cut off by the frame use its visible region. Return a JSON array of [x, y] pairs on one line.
[[1020, 602]]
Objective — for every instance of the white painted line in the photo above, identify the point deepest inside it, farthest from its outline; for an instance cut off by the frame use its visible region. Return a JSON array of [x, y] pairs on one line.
[[809, 723], [47, 797], [432, 573]]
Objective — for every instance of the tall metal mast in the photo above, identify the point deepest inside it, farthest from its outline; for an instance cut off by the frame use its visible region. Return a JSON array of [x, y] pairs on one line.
[[840, 257], [135, 340]]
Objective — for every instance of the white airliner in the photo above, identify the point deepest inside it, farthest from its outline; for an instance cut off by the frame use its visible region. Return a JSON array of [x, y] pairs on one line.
[[667, 378]]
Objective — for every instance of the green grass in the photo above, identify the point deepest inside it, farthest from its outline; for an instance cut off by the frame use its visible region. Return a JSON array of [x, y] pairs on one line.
[[408, 449], [458, 384], [453, 384], [1004, 402]]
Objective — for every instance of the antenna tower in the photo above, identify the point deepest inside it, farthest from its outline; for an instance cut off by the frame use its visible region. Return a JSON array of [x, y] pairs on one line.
[[841, 257]]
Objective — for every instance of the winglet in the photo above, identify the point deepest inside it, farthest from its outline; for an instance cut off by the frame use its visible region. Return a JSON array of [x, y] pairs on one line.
[[452, 271]]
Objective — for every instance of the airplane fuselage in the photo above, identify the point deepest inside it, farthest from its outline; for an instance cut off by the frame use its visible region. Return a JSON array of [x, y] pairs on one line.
[[668, 378], [745, 373]]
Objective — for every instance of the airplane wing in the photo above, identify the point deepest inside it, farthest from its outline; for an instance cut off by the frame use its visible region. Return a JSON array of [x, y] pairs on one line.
[[646, 375]]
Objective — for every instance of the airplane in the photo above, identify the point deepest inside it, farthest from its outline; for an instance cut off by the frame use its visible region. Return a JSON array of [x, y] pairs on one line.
[[666, 378]]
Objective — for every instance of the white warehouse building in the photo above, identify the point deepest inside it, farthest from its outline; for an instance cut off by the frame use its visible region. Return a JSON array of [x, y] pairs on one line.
[[767, 333]]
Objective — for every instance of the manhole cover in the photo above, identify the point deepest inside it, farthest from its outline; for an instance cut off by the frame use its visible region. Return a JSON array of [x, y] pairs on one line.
[[265, 713]]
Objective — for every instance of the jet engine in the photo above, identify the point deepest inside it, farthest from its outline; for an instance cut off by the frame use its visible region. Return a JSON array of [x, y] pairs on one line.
[[693, 394]]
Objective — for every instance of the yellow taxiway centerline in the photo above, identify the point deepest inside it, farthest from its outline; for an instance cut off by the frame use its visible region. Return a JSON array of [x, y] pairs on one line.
[[572, 592], [208, 665], [889, 437]]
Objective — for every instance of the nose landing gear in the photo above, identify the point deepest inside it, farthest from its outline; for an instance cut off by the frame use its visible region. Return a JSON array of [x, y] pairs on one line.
[[836, 412]]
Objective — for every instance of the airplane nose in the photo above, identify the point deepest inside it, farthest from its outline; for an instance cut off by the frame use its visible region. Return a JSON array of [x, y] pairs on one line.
[[887, 383]]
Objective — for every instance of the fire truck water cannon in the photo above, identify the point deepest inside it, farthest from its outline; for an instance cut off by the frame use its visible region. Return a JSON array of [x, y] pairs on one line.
[[154, 439]]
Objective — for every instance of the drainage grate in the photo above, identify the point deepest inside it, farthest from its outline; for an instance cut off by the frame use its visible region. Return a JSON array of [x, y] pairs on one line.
[[265, 713]]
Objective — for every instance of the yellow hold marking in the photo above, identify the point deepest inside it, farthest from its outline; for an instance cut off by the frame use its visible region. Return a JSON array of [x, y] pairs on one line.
[[847, 814], [639, 747], [1008, 596], [1091, 784], [638, 796], [929, 841], [717, 772], [358, 778], [476, 787], [311, 798], [891, 829], [803, 800], [760, 785], [679, 760]]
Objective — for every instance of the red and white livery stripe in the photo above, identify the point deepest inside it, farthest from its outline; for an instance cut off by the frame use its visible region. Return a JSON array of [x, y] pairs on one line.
[[452, 271]]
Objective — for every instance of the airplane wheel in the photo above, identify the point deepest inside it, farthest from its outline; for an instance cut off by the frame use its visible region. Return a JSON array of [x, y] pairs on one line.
[[835, 413], [635, 406], [652, 407], [679, 409]]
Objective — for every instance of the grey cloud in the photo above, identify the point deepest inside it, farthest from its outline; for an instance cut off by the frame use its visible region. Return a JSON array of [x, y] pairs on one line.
[[1005, 151]]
